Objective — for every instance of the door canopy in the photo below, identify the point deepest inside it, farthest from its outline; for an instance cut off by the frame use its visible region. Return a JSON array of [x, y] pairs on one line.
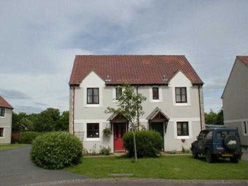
[[157, 115], [117, 118]]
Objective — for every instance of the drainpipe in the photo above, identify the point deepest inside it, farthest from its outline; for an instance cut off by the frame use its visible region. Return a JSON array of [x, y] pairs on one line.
[[138, 122], [73, 115], [200, 106]]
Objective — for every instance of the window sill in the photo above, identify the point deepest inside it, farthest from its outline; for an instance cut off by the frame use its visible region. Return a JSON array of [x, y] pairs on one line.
[[182, 104], [92, 105], [93, 139], [183, 137], [156, 101]]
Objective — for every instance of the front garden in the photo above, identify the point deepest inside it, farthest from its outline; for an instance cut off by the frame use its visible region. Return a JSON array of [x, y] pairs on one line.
[[165, 167]]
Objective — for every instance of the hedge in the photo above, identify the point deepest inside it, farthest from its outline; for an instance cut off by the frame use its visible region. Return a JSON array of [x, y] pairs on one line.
[[149, 143], [28, 137], [56, 150]]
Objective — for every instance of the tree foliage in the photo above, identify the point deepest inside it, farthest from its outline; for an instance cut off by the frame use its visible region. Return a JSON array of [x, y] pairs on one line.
[[214, 118], [129, 105], [46, 121]]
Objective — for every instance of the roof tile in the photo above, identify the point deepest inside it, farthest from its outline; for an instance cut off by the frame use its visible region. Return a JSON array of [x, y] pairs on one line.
[[244, 59], [4, 103], [133, 69]]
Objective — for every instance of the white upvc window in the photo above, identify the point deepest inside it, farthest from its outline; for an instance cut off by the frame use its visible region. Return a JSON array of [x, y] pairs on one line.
[[155, 94]]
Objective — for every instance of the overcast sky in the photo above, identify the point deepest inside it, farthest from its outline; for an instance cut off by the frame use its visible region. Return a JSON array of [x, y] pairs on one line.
[[39, 40]]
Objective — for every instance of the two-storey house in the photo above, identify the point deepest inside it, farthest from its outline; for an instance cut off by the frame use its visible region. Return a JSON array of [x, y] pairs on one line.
[[174, 104], [235, 101], [5, 121]]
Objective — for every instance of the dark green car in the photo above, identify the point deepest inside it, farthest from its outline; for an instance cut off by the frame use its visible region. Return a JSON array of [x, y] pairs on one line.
[[217, 143]]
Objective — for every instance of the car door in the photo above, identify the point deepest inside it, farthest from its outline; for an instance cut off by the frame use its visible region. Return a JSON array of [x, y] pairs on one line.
[[202, 141]]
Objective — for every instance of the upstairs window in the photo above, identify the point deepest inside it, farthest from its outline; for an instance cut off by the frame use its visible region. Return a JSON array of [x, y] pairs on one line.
[[182, 128], [155, 93], [118, 92], [2, 112], [181, 95], [93, 96], [1, 132], [92, 130]]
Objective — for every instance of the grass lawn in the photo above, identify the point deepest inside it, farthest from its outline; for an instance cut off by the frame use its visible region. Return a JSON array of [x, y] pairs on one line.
[[166, 167], [11, 146]]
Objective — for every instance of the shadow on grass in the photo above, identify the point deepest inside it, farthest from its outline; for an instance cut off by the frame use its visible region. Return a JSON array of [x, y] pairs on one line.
[[216, 160]]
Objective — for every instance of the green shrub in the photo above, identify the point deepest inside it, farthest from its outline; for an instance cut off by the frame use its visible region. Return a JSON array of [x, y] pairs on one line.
[[56, 150], [149, 143], [105, 151], [28, 137]]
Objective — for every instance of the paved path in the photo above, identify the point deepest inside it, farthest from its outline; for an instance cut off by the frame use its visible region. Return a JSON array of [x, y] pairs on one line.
[[143, 182], [16, 168]]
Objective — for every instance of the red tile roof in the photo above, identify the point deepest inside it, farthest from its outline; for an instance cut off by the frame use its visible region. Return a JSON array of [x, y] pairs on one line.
[[4, 103], [134, 69], [244, 59]]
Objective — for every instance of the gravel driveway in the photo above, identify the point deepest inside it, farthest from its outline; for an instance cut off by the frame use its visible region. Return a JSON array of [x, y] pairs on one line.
[[16, 168]]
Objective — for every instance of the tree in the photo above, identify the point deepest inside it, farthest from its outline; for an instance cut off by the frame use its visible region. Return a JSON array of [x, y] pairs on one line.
[[129, 106], [47, 120], [214, 118], [63, 124]]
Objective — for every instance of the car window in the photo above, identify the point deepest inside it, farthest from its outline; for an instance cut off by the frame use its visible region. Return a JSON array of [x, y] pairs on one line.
[[223, 134], [209, 135]]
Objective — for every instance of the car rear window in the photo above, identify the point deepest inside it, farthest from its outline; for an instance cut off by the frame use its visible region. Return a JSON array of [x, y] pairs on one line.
[[223, 134]]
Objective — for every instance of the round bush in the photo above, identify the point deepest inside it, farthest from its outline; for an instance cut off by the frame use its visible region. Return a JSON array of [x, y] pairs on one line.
[[149, 143], [28, 137], [56, 150]]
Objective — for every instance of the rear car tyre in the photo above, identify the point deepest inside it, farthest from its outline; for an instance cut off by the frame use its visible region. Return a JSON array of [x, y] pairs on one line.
[[234, 160], [231, 142], [194, 153], [209, 156]]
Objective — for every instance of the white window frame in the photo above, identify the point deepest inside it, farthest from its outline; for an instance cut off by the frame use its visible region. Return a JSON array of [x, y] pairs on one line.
[[114, 94], [86, 132], [86, 97], [160, 94], [189, 127], [187, 94]]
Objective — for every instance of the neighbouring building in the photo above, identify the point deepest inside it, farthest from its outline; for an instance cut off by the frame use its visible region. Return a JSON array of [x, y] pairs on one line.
[[174, 105], [235, 98], [5, 121]]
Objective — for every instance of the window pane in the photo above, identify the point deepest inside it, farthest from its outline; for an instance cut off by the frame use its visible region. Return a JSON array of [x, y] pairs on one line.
[[96, 99], [118, 92], [1, 132], [2, 112], [89, 91], [89, 99], [183, 98], [96, 91], [178, 91], [183, 90], [245, 128], [178, 98], [155, 93]]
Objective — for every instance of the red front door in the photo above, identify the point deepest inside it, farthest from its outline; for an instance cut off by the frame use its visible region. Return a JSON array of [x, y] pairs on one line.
[[119, 131]]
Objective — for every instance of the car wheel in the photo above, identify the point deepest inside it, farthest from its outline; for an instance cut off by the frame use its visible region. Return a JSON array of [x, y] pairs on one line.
[[234, 160], [194, 153], [209, 157]]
